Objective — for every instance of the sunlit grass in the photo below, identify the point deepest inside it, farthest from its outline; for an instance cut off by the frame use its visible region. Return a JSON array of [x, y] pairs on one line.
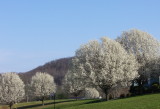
[[139, 102]]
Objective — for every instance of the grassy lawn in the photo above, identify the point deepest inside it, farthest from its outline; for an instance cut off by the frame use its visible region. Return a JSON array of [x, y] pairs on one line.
[[139, 102]]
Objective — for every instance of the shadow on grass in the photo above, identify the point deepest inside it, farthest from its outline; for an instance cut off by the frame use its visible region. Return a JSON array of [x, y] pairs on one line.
[[95, 101], [84, 101], [37, 105], [57, 102], [51, 103]]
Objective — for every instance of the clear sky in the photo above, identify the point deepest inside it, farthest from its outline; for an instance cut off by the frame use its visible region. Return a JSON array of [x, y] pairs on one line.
[[33, 32]]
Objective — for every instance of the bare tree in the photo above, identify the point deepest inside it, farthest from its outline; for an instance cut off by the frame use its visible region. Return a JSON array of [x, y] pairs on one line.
[[11, 89], [42, 85]]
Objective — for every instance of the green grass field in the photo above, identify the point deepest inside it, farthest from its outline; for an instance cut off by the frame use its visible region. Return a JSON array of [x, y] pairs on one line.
[[139, 102]]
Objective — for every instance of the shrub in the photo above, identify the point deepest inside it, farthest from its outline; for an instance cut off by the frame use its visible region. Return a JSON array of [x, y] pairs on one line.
[[110, 97], [61, 96], [91, 93], [122, 96], [136, 90], [128, 95], [155, 87]]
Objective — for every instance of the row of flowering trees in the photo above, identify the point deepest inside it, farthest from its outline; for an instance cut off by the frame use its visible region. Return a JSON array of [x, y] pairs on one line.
[[104, 64], [108, 63], [13, 90]]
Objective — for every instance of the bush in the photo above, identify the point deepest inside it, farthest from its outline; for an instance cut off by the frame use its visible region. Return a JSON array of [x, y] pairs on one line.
[[128, 95], [110, 97], [136, 90], [61, 96], [122, 96], [155, 87], [91, 93]]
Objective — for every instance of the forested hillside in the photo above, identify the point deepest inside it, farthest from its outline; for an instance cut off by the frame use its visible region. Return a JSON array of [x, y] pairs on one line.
[[57, 68]]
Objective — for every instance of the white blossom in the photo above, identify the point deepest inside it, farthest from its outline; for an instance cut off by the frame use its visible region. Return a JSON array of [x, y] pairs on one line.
[[143, 46], [42, 85], [11, 88], [105, 64], [73, 83], [91, 93]]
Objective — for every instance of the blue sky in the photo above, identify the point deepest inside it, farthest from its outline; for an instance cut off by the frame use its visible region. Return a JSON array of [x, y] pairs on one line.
[[33, 32]]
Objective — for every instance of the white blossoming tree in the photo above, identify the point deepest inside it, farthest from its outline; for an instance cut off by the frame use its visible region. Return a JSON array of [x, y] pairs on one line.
[[91, 93], [143, 46], [28, 92], [11, 89], [42, 85], [153, 66], [73, 83], [105, 63]]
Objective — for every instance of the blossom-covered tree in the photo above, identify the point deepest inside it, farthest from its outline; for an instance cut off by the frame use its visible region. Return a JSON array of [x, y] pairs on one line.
[[153, 66], [105, 63], [143, 46], [73, 83], [42, 85], [91, 93], [11, 89], [28, 92]]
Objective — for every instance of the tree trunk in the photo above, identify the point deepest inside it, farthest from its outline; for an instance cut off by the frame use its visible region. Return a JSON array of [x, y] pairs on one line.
[[140, 86], [76, 98], [27, 99], [43, 102], [10, 105], [105, 90], [106, 94]]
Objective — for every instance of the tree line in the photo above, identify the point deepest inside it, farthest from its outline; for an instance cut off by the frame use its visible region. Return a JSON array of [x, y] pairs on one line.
[[13, 89], [108, 64], [103, 64]]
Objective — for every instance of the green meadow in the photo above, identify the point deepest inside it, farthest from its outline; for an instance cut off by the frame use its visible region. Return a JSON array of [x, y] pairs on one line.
[[139, 102]]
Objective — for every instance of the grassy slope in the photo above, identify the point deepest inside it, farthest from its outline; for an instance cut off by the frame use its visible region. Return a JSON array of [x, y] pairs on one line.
[[140, 102]]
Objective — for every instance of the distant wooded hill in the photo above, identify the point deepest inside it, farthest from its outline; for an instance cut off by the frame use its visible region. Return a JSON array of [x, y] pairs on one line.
[[57, 68]]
